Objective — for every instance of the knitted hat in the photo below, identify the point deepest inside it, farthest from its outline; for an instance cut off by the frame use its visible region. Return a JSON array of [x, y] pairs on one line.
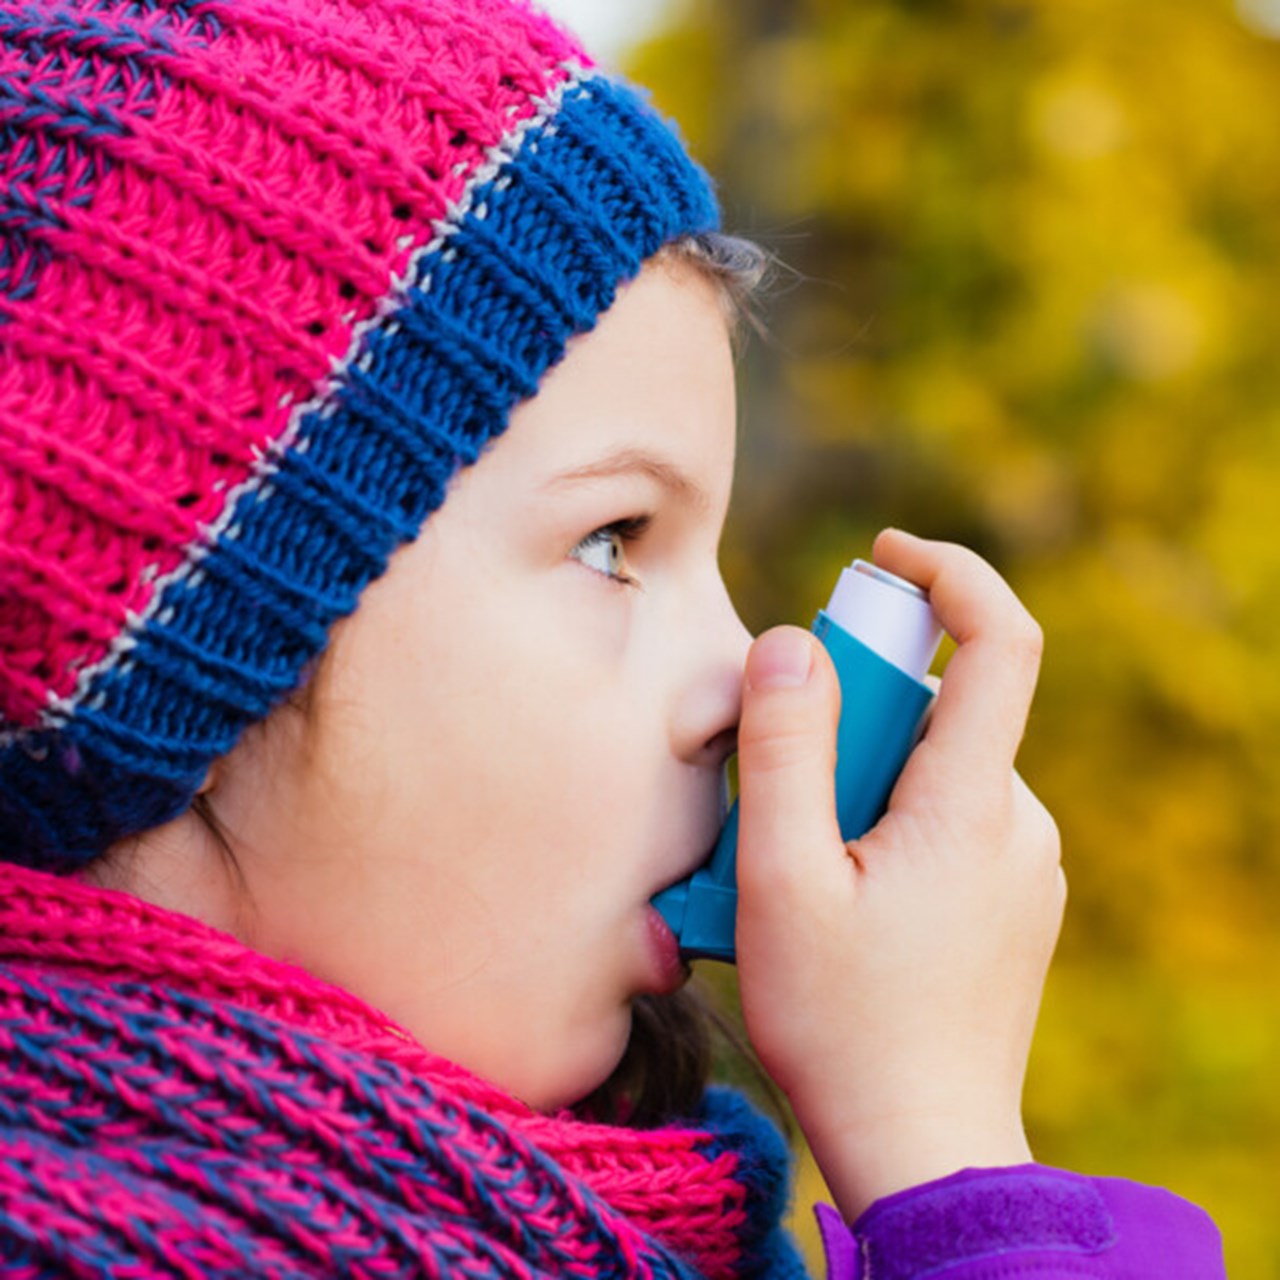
[[271, 271]]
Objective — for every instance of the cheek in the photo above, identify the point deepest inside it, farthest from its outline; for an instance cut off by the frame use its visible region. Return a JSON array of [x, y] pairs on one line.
[[493, 736]]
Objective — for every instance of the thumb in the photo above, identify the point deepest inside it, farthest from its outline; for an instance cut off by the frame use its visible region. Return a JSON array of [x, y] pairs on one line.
[[786, 757]]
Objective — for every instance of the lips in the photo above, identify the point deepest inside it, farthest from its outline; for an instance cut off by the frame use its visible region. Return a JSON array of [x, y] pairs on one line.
[[669, 970]]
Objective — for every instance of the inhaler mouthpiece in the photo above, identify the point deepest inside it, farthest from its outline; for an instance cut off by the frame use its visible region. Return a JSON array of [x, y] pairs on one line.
[[897, 624]]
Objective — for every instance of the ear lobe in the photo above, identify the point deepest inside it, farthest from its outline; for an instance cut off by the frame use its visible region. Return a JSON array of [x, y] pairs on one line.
[[210, 780]]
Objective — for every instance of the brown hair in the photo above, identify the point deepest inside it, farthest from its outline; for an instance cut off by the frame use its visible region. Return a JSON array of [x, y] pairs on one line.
[[738, 269]]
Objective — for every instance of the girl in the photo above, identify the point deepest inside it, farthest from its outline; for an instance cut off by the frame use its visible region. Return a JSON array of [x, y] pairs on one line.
[[367, 427]]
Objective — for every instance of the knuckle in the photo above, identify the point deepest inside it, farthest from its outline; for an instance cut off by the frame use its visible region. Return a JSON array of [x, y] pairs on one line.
[[1039, 827], [962, 557], [781, 748], [1026, 638], [1049, 834]]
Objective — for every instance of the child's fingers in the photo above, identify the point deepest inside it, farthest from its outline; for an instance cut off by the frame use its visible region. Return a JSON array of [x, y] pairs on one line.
[[982, 708], [786, 759]]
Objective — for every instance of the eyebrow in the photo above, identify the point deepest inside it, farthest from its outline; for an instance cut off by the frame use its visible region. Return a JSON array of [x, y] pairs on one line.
[[626, 462]]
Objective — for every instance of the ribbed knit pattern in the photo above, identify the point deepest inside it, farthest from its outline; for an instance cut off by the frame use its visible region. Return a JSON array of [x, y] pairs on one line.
[[176, 1104], [270, 272]]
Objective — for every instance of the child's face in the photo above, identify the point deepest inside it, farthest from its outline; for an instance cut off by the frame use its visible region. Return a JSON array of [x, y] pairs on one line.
[[518, 738]]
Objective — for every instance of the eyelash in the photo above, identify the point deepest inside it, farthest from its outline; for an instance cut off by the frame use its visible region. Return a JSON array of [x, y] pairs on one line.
[[629, 530]]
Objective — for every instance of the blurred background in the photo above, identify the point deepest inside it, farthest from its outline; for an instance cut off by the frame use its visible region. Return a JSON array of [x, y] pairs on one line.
[[1033, 305]]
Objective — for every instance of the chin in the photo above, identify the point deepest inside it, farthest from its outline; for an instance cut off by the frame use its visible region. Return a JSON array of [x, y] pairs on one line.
[[585, 1063]]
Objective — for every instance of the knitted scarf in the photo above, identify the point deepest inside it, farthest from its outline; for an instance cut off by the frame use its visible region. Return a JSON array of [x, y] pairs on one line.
[[174, 1103]]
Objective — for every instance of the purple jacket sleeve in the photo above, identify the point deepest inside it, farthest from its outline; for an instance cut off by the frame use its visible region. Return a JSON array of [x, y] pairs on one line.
[[1026, 1222]]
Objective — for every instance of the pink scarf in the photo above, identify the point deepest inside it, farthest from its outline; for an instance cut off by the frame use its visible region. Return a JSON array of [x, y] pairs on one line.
[[177, 1104]]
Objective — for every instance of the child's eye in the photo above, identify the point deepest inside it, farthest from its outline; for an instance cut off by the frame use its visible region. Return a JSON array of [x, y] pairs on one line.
[[605, 549]]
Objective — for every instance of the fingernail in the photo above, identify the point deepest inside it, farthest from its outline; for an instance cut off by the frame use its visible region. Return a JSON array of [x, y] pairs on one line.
[[780, 659]]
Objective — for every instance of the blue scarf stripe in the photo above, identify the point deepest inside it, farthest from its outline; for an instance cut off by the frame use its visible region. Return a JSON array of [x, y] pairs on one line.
[[766, 1166]]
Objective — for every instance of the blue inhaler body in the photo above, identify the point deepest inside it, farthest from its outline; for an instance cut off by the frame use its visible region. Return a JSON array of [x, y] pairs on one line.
[[882, 637]]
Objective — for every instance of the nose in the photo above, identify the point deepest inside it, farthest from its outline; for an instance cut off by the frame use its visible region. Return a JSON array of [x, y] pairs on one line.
[[705, 722]]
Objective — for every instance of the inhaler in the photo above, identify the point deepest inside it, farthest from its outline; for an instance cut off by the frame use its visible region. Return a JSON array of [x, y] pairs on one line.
[[882, 637]]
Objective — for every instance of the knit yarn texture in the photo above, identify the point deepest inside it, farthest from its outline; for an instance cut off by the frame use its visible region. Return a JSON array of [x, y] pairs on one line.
[[175, 1104], [271, 271]]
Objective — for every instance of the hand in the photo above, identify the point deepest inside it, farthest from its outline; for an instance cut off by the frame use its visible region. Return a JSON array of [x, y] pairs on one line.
[[891, 985]]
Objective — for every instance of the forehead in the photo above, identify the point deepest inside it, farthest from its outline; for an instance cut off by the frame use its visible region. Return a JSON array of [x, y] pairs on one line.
[[656, 373]]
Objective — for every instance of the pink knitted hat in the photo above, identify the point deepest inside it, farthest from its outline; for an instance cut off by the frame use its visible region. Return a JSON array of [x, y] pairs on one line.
[[270, 272]]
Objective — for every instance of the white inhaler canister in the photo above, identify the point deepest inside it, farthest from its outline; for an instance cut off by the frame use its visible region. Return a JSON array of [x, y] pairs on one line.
[[882, 637]]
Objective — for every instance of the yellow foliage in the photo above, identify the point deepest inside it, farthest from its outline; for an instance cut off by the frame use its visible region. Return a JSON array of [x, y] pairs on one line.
[[1036, 308]]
